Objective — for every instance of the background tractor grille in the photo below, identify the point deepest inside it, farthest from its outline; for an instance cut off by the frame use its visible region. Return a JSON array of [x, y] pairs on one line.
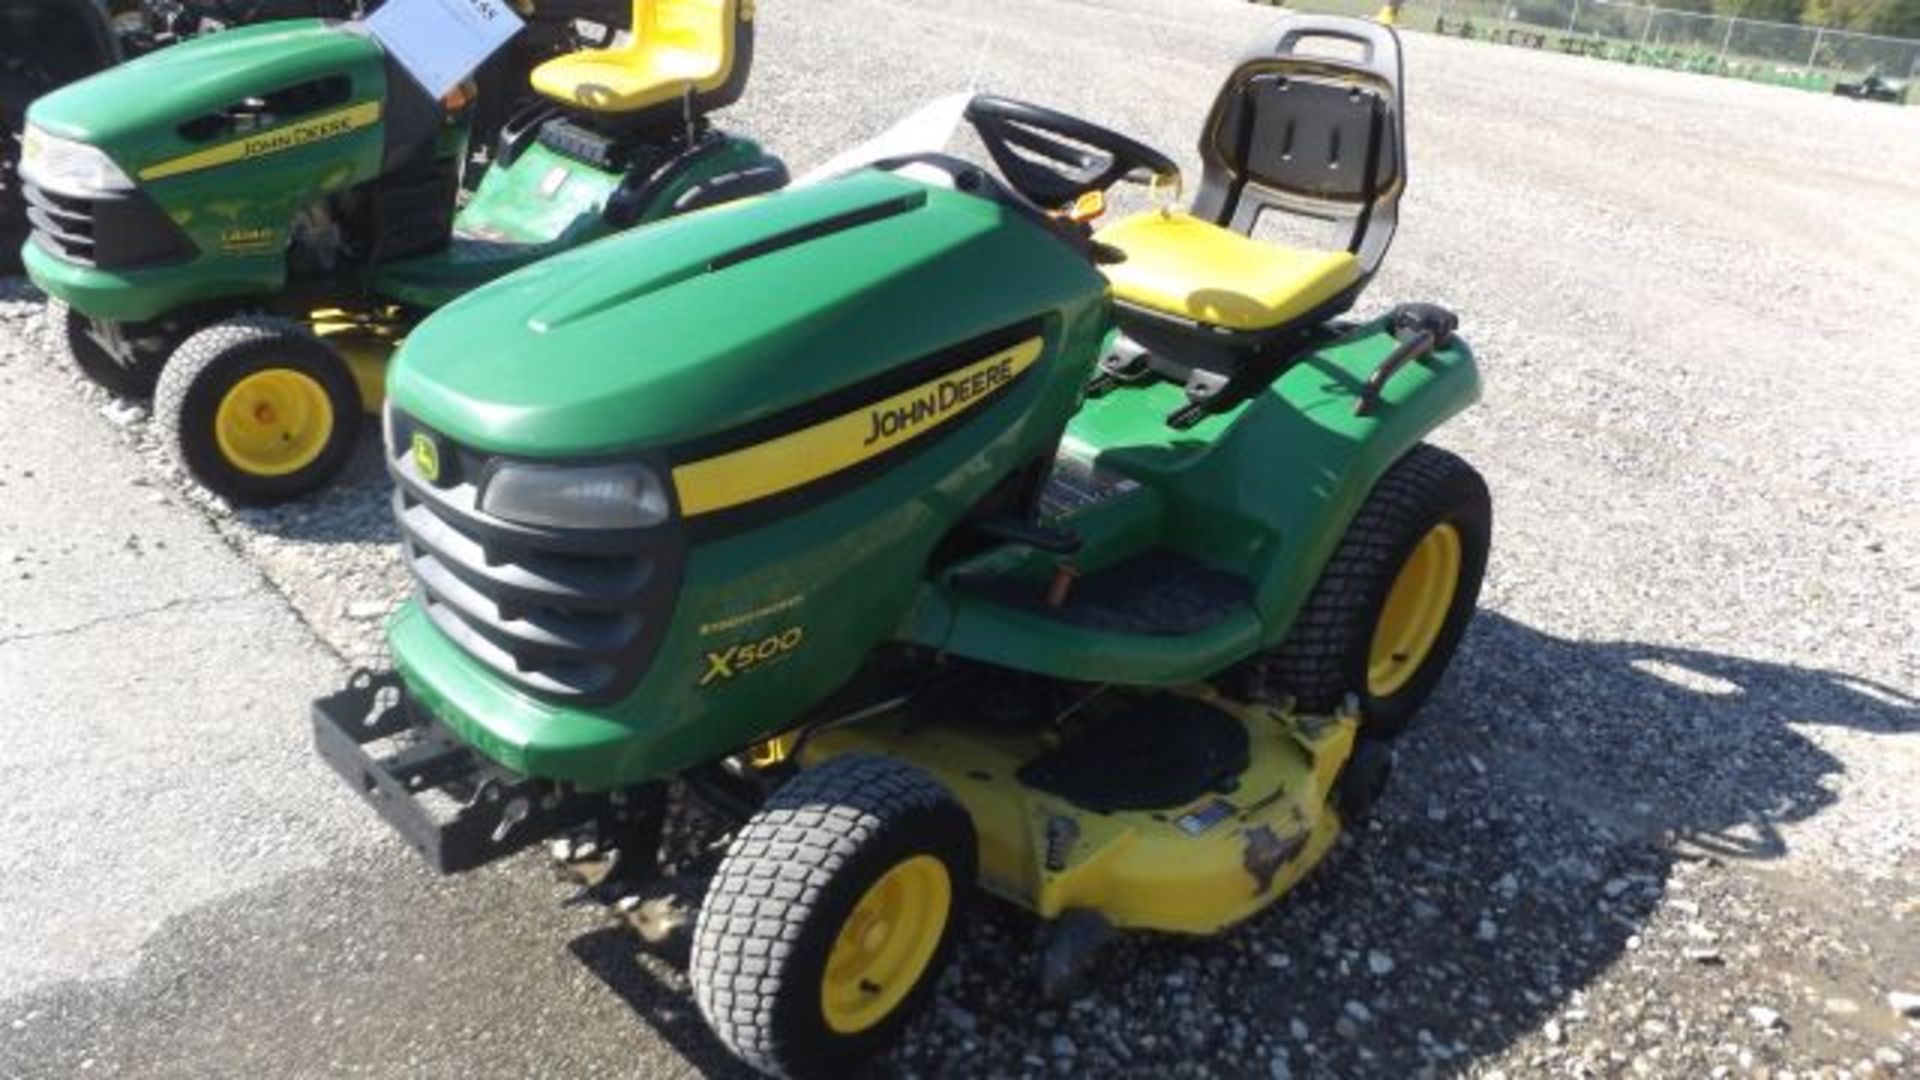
[[112, 232], [567, 613], [62, 223]]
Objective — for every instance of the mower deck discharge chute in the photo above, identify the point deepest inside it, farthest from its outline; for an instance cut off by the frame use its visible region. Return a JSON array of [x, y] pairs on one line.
[[940, 541], [252, 220]]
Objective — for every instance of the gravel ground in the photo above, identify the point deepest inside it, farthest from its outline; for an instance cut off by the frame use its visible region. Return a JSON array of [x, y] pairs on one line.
[[1661, 818]]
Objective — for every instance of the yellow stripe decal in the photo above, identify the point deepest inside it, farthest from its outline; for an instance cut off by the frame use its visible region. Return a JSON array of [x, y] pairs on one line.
[[801, 457], [273, 141]]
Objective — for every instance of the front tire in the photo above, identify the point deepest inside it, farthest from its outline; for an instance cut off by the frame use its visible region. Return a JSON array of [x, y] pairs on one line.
[[258, 410], [113, 356], [831, 918], [1390, 607]]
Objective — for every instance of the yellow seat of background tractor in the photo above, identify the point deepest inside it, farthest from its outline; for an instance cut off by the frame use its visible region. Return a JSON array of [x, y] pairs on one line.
[[1189, 268], [678, 47]]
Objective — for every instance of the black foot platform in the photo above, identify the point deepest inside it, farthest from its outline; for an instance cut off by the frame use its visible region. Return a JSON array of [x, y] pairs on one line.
[[1160, 592]]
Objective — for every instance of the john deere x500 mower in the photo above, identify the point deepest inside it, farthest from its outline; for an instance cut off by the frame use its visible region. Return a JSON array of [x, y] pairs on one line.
[[252, 219], [944, 541]]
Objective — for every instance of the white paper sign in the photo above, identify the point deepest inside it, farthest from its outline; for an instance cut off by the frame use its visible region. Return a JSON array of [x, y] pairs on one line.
[[440, 42]]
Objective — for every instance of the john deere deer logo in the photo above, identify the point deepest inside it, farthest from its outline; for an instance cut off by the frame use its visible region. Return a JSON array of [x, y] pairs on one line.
[[426, 456]]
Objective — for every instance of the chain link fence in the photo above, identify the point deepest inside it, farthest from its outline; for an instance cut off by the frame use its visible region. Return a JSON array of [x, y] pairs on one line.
[[1812, 57]]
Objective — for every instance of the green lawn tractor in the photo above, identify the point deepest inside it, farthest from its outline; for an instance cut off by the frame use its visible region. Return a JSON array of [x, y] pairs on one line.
[[1873, 86], [942, 542], [251, 220], [46, 44]]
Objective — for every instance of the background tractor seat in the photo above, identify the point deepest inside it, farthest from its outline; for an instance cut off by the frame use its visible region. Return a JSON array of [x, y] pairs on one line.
[[1178, 265], [678, 47]]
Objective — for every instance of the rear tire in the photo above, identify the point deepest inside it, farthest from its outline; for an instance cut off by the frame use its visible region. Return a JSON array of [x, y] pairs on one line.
[[109, 355], [258, 410], [1426, 524], [831, 918]]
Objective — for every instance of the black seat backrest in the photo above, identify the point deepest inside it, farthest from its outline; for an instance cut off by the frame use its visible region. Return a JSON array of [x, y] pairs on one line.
[[1300, 130]]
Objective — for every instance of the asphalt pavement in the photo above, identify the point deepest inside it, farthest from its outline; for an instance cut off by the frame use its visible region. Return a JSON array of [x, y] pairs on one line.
[[187, 890]]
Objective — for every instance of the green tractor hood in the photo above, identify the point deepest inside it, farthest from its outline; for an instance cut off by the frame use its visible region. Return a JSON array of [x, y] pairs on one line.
[[200, 103], [718, 319]]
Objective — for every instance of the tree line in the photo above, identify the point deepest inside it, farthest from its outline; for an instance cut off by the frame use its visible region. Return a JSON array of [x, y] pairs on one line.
[[1897, 18]]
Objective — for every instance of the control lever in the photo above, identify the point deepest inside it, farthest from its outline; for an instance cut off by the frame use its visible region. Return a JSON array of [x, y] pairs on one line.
[[1420, 329]]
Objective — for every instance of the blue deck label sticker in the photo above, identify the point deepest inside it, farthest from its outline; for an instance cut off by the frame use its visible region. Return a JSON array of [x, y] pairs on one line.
[[1195, 822]]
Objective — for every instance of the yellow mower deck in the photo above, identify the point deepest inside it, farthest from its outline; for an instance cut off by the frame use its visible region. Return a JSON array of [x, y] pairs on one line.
[[1196, 868]]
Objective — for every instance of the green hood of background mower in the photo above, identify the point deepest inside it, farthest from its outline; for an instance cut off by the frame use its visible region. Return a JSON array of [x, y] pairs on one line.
[[712, 321], [135, 111]]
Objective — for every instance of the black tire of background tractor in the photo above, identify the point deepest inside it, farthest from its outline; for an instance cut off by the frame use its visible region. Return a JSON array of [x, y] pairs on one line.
[[18, 87], [130, 373], [1325, 655], [13, 205], [790, 881], [210, 363]]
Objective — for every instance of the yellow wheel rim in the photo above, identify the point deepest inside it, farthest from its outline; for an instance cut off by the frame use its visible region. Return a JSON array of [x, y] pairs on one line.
[[1415, 611], [273, 422], [885, 945]]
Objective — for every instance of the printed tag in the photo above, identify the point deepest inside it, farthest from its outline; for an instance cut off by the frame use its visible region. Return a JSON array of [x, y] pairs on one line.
[[440, 42]]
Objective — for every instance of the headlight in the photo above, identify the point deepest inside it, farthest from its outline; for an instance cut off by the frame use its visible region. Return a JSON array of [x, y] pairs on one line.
[[68, 167], [577, 497]]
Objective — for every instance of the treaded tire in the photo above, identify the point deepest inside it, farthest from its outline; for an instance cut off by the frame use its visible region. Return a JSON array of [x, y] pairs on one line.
[[1325, 654], [790, 881], [18, 87], [13, 203], [210, 363], [130, 374]]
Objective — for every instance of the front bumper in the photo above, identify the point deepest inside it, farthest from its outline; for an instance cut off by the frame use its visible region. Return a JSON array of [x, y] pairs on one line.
[[148, 293], [456, 808], [588, 747]]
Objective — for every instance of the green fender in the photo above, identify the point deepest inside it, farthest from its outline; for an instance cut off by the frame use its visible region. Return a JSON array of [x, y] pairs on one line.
[[1309, 431], [1265, 490]]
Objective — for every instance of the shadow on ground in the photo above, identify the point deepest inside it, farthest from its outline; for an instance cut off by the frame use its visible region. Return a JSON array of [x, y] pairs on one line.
[[354, 508], [612, 954], [1537, 819]]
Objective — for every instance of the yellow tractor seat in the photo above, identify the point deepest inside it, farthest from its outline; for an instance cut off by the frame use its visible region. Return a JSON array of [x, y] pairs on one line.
[[1188, 268], [678, 47]]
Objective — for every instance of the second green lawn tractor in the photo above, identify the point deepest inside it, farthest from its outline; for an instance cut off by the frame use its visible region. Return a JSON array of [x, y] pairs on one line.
[[943, 542], [45, 44], [250, 220]]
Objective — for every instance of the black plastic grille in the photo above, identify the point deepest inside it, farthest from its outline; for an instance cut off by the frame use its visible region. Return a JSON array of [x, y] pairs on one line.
[[114, 232], [63, 224], [567, 613]]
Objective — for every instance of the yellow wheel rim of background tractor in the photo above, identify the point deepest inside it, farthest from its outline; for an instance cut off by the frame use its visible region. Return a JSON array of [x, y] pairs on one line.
[[1415, 611], [273, 422], [884, 947]]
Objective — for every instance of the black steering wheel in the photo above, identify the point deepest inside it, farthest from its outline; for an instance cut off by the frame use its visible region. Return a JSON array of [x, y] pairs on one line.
[[1052, 158]]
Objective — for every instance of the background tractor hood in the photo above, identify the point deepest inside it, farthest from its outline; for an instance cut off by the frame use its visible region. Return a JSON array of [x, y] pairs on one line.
[[134, 111], [713, 320]]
